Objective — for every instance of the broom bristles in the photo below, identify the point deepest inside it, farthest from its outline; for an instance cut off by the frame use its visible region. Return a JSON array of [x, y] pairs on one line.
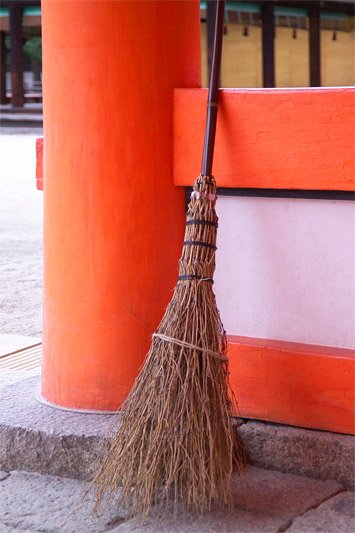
[[176, 445]]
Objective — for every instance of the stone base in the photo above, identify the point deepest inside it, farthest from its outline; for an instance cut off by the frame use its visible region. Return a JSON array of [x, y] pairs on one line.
[[39, 438]]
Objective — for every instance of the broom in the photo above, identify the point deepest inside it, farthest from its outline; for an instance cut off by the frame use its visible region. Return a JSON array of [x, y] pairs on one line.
[[176, 445]]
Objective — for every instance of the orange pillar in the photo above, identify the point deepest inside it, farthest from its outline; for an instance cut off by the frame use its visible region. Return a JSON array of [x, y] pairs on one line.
[[113, 220]]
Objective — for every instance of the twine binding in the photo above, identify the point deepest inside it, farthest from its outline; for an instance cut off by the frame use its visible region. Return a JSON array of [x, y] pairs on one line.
[[185, 344]]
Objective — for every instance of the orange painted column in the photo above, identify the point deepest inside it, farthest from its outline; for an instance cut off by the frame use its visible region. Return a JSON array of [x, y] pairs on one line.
[[113, 220]]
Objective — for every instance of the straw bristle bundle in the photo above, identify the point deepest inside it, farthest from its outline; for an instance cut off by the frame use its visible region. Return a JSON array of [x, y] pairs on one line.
[[175, 446]]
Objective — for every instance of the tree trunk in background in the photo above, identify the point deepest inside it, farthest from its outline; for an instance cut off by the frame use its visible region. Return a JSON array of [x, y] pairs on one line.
[[3, 99], [16, 41]]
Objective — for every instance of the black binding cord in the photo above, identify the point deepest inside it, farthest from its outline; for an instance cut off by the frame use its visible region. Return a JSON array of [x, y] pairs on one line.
[[201, 223], [200, 243]]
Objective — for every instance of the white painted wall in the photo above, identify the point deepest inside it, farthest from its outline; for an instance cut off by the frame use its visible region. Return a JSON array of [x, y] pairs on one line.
[[286, 269]]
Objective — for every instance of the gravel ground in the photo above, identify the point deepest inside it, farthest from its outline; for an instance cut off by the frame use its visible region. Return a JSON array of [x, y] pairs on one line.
[[20, 234]]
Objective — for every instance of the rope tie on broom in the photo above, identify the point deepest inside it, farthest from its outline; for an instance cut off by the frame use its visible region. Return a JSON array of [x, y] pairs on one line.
[[185, 344]]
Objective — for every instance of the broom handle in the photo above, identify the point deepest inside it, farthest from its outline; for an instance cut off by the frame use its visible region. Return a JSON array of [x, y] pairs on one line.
[[212, 105]]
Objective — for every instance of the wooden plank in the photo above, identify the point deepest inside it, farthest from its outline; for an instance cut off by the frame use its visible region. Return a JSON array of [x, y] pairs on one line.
[[24, 356], [269, 138], [23, 360], [15, 343], [292, 383]]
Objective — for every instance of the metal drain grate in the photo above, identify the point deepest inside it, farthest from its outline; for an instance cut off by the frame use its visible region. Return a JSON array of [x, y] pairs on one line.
[[27, 359]]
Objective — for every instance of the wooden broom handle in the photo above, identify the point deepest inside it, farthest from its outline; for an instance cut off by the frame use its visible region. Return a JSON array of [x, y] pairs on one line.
[[212, 105]]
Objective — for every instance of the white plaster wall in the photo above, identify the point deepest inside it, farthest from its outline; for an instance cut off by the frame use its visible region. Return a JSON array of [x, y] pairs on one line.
[[286, 269]]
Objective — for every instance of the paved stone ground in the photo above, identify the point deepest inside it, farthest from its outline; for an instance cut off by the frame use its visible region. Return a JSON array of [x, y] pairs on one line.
[[264, 501], [20, 234]]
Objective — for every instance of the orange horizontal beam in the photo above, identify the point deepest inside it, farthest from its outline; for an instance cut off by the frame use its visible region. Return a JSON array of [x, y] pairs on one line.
[[292, 383], [269, 138]]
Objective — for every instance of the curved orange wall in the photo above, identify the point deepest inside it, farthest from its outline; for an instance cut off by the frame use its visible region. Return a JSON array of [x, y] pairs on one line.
[[113, 220]]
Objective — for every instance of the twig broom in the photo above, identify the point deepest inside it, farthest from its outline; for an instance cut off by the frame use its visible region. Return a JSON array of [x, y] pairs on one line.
[[176, 445]]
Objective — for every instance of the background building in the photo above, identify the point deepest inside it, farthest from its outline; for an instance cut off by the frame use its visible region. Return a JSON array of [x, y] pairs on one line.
[[276, 43], [267, 44]]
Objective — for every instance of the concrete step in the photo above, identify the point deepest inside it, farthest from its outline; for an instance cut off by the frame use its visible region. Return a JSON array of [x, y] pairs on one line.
[[38, 438], [264, 501]]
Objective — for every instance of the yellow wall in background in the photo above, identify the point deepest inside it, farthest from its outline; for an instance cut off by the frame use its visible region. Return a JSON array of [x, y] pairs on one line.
[[241, 57], [242, 67], [291, 58], [338, 58]]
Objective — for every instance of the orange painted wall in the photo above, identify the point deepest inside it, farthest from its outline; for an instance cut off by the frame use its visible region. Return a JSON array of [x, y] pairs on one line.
[[270, 138], [113, 220], [292, 383]]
